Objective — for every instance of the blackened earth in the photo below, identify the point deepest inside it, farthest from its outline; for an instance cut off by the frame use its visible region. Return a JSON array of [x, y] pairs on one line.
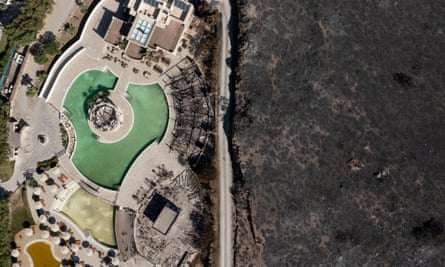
[[340, 126]]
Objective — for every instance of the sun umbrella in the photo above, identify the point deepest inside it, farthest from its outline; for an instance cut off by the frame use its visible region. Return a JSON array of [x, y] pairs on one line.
[[64, 250], [42, 218], [74, 247], [56, 240], [37, 190], [115, 261], [15, 253], [89, 252], [75, 259], [85, 244], [35, 197], [38, 205], [57, 171], [63, 228], [42, 178], [40, 212], [15, 265], [53, 188], [45, 234], [50, 181], [29, 232], [72, 240], [107, 260], [111, 253], [51, 220], [66, 235], [54, 227]]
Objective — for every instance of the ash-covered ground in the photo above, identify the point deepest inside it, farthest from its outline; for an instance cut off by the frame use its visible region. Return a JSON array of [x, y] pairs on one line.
[[340, 130]]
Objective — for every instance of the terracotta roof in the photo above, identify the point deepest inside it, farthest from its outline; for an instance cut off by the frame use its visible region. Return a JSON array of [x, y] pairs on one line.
[[134, 50], [168, 37], [113, 34]]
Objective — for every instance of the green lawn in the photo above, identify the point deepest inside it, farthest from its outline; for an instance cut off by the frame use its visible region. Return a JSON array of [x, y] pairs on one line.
[[6, 169], [20, 213]]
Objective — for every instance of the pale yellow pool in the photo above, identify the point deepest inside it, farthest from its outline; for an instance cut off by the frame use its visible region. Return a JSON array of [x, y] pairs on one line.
[[92, 214]]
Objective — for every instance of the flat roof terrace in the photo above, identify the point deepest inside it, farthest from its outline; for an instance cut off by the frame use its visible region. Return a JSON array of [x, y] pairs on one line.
[[167, 37]]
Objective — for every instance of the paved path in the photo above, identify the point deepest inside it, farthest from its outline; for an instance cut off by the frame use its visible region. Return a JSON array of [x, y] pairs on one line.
[[61, 10], [225, 164]]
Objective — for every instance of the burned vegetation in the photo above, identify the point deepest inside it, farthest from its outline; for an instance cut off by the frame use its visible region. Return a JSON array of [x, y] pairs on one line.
[[338, 133]]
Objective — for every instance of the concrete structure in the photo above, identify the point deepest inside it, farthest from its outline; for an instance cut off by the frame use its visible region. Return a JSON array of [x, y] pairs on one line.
[[165, 220]]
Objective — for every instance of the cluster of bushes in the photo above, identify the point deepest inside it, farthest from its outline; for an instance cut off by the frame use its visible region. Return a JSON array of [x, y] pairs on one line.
[[4, 117], [24, 28], [45, 46], [43, 166], [5, 234], [206, 50]]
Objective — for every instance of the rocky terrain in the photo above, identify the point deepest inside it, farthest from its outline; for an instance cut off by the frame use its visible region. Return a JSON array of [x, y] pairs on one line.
[[339, 133]]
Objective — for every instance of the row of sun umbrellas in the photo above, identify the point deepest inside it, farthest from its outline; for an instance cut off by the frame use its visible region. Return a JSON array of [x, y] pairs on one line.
[[66, 237]]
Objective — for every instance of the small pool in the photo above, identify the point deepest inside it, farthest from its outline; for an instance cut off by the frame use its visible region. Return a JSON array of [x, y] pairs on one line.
[[107, 163], [42, 255], [92, 214]]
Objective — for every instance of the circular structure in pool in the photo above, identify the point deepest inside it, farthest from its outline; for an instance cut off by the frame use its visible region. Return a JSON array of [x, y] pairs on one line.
[[103, 114], [92, 157]]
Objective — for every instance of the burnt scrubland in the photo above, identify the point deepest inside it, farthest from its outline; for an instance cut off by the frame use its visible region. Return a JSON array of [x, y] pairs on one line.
[[338, 133]]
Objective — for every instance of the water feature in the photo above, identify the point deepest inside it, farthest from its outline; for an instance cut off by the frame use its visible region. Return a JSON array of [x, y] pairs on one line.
[[94, 158]]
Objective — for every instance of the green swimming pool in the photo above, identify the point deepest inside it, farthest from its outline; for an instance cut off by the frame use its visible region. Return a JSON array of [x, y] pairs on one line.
[[106, 163]]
